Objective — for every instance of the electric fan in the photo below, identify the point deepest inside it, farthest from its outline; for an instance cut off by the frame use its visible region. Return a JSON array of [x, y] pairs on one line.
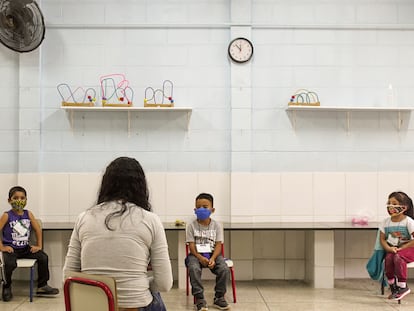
[[22, 27]]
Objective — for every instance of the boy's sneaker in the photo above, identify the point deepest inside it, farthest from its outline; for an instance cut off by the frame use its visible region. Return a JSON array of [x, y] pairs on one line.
[[47, 291], [394, 289], [7, 294], [402, 292], [201, 305], [221, 303]]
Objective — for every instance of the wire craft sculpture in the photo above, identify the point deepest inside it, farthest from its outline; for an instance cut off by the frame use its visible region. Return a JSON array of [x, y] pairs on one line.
[[304, 97], [116, 94], [156, 98], [78, 97]]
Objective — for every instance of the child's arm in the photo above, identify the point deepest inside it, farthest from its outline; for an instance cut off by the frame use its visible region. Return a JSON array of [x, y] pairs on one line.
[[3, 220], [408, 244], [385, 246], [217, 251], [38, 232], [410, 227]]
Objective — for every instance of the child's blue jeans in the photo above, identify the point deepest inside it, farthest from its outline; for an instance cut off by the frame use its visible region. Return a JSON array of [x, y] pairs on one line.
[[220, 270]]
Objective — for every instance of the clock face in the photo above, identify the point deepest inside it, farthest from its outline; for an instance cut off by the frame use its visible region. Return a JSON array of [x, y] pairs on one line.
[[240, 50]]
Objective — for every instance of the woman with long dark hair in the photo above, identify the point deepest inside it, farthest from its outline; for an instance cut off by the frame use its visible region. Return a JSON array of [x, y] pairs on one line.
[[120, 237]]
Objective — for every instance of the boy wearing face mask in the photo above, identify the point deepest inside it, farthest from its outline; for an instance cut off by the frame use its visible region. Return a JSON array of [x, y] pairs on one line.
[[16, 225], [397, 239], [205, 237]]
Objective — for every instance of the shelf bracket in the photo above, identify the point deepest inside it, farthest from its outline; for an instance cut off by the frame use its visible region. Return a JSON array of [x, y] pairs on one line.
[[129, 124], [188, 119], [294, 120], [292, 117], [348, 122], [71, 120], [400, 120]]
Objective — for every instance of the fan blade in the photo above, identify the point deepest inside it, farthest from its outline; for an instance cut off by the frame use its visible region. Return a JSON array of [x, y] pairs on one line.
[[22, 26]]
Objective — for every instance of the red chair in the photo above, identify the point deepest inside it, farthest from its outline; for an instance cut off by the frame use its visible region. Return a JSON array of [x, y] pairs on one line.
[[86, 292], [229, 263]]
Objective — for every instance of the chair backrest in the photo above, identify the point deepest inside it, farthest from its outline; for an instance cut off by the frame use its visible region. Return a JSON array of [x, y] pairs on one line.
[[87, 292]]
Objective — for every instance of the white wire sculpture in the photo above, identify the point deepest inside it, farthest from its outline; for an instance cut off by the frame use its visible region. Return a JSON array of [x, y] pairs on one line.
[[116, 91], [303, 97], [158, 97], [78, 97]]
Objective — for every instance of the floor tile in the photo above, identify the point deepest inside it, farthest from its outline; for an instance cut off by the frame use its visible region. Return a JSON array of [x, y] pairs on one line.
[[264, 295]]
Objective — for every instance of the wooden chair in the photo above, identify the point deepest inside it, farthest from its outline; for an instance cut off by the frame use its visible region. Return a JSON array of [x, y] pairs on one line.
[[87, 292], [229, 263]]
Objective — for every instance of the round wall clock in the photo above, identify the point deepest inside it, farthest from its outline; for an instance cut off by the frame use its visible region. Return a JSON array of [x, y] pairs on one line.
[[240, 50]]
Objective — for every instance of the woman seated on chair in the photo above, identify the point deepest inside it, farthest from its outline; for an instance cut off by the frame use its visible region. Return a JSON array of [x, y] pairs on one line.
[[16, 225], [120, 236]]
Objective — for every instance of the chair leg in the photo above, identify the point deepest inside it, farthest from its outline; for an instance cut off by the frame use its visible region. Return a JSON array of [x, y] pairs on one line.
[[31, 283], [187, 281], [233, 284]]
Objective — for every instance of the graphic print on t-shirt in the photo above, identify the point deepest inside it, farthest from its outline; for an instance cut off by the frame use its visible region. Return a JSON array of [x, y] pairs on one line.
[[21, 232], [205, 237]]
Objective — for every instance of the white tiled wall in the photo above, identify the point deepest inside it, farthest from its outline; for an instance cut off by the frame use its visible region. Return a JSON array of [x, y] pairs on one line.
[[239, 197], [347, 53], [256, 197]]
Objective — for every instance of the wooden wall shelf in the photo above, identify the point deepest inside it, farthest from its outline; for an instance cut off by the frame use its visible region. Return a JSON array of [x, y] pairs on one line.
[[72, 109], [398, 110]]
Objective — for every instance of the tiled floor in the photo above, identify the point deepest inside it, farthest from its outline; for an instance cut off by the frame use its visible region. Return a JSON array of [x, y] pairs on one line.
[[348, 295]]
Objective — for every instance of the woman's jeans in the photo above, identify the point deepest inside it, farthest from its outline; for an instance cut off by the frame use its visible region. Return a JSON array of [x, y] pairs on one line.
[[157, 303]]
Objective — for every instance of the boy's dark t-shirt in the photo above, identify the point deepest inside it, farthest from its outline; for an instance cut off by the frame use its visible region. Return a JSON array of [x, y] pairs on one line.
[[16, 232]]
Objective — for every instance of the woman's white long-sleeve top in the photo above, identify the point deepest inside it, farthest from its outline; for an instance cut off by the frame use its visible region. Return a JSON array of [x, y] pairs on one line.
[[137, 239]]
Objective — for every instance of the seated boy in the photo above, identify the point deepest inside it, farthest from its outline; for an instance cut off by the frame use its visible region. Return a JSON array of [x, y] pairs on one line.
[[16, 225], [204, 237]]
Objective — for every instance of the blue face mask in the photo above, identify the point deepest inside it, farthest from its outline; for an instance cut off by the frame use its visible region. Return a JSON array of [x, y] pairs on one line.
[[202, 213]]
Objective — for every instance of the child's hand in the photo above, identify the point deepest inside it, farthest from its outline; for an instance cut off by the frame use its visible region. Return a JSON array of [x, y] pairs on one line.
[[7, 249], [34, 249], [204, 261], [393, 249], [211, 263]]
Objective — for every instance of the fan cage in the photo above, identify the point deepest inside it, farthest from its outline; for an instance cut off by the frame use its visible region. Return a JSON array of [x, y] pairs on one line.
[[22, 27]]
